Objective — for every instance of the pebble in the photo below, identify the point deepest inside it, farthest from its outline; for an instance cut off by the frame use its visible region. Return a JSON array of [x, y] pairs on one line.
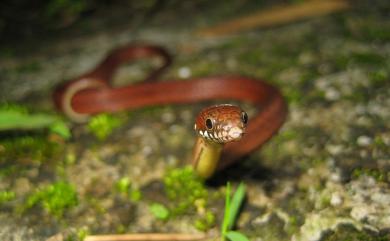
[[147, 150], [336, 199], [332, 94], [360, 212], [364, 141], [336, 176], [22, 186], [334, 149], [231, 63], [168, 117], [184, 72]]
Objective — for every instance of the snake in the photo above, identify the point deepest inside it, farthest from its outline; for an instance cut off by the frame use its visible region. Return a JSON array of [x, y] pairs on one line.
[[216, 126], [224, 134]]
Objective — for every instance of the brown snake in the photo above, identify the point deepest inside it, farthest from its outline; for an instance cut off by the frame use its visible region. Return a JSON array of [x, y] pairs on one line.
[[91, 93]]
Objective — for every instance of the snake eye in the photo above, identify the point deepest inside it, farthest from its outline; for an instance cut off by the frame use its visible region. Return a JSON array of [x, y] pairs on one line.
[[244, 117], [209, 124]]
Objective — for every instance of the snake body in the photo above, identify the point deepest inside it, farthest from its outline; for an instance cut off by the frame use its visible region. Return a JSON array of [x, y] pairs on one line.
[[92, 93]]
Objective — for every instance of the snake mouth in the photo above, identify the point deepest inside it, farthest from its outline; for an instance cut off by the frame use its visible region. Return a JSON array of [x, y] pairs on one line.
[[236, 133]]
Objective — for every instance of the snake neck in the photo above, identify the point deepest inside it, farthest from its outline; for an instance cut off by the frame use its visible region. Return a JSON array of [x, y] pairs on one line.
[[205, 157]]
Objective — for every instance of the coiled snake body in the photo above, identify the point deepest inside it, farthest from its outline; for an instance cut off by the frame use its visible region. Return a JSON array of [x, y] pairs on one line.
[[91, 93]]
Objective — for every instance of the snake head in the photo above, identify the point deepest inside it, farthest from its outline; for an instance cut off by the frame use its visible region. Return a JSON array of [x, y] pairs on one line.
[[221, 123]]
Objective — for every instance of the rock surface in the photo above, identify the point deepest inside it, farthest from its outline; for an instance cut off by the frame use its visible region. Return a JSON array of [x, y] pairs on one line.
[[324, 176]]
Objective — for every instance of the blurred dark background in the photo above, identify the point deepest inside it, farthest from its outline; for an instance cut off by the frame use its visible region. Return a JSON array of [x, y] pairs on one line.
[[25, 20]]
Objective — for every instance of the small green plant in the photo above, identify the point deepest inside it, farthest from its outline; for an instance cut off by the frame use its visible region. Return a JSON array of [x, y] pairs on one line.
[[232, 208], [206, 222], [78, 235], [125, 187], [55, 198], [159, 211], [102, 125], [185, 188], [6, 196]]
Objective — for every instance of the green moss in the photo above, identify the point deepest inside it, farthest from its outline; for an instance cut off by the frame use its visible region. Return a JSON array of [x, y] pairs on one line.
[[205, 222], [297, 205], [184, 188], [371, 29], [6, 196], [124, 187], [102, 125], [159, 211], [368, 58], [377, 174], [7, 52], [13, 107], [293, 225], [6, 171], [78, 235], [135, 195], [55, 199], [36, 147], [380, 143], [379, 78], [360, 58], [253, 57], [303, 92], [96, 205], [64, 8], [348, 233], [204, 68], [30, 67], [273, 230]]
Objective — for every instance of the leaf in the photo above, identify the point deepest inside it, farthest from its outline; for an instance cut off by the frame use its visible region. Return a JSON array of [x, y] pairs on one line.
[[60, 128], [226, 215], [159, 211], [236, 236], [235, 205], [13, 119]]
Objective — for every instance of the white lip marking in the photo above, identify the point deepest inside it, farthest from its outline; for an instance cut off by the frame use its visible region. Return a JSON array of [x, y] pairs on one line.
[[206, 134], [235, 132], [201, 133]]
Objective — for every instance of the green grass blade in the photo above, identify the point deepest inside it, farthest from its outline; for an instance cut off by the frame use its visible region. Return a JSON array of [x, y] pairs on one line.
[[226, 215], [235, 205], [236, 236], [11, 120]]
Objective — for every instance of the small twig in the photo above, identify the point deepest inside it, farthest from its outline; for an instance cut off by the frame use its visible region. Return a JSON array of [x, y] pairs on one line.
[[276, 15], [147, 237]]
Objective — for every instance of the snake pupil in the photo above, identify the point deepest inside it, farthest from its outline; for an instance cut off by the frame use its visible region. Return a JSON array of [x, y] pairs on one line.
[[209, 124], [244, 117]]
